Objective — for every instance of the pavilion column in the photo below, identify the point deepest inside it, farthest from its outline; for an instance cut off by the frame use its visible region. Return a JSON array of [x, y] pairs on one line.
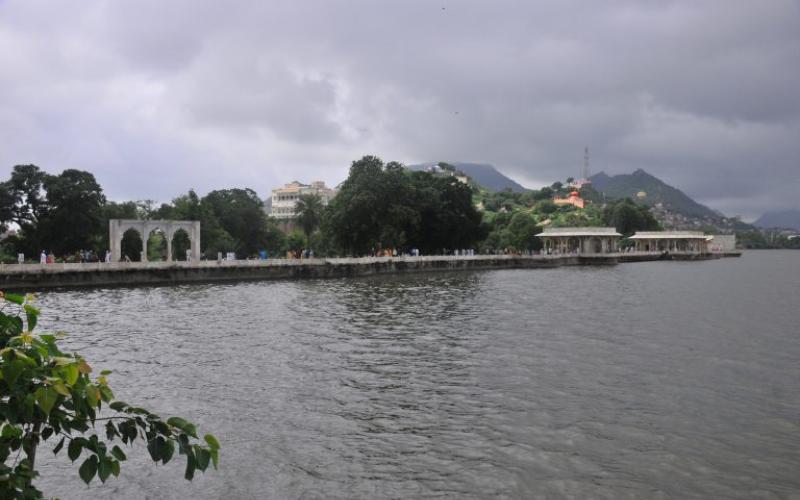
[[144, 247], [169, 246], [195, 243], [114, 240]]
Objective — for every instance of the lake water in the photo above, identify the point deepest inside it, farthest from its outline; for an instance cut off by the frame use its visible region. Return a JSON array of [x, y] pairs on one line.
[[648, 380]]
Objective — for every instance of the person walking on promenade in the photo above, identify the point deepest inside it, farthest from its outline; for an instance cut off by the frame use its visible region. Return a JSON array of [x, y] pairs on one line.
[[43, 258]]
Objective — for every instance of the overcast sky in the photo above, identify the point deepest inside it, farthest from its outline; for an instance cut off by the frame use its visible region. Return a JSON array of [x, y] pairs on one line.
[[156, 97]]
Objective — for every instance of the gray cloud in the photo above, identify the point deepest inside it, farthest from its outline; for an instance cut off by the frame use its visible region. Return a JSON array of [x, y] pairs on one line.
[[159, 97]]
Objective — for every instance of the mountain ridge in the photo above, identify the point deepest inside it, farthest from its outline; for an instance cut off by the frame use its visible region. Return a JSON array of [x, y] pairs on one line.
[[484, 174], [784, 219], [656, 192]]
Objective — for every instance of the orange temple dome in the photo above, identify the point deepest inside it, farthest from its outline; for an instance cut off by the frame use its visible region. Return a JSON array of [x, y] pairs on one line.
[[575, 194]]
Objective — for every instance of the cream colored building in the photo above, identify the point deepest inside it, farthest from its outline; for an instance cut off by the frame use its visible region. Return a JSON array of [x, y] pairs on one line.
[[285, 198], [721, 243], [670, 241], [579, 240]]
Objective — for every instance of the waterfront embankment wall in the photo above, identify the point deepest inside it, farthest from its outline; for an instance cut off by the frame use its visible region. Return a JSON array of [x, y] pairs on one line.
[[27, 277]]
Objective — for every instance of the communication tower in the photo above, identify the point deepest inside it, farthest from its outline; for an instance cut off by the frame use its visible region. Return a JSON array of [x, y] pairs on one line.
[[585, 171]]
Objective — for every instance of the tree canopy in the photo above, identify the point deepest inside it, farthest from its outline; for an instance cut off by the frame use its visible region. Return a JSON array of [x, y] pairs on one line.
[[386, 206]]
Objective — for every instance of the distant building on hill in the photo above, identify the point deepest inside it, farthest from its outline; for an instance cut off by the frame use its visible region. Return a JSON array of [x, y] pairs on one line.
[[285, 198], [573, 199], [447, 170]]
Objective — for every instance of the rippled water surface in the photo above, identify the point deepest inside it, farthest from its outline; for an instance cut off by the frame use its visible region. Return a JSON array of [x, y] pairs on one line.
[[650, 380]]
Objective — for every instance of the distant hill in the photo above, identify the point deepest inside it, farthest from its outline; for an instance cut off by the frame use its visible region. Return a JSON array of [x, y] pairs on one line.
[[657, 192], [784, 219], [484, 174]]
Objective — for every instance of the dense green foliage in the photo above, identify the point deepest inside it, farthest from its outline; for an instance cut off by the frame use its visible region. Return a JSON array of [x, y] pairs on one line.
[[309, 210], [389, 207], [515, 218], [49, 395], [62, 213], [66, 213], [629, 217]]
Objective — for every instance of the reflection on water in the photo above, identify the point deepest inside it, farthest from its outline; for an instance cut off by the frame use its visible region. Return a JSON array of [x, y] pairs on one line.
[[652, 380]]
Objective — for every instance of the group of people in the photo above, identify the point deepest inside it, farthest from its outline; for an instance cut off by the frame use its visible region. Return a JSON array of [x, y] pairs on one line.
[[305, 253], [80, 256]]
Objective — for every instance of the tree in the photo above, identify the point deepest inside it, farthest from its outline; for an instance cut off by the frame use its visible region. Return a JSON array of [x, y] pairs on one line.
[[74, 211], [356, 210], [309, 210], [381, 207], [629, 217], [523, 230], [296, 242], [26, 187], [236, 217], [49, 394], [7, 205], [275, 239]]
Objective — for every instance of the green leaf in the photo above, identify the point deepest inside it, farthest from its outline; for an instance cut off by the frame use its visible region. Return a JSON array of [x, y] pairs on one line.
[[10, 431], [13, 370], [214, 457], [13, 297], [190, 466], [118, 405], [74, 449], [212, 441], [105, 372], [88, 469], [115, 468], [104, 469], [32, 314], [156, 447], [169, 450], [59, 446], [111, 430], [92, 396], [46, 397], [60, 388], [105, 393], [118, 453], [69, 374], [183, 425], [202, 458]]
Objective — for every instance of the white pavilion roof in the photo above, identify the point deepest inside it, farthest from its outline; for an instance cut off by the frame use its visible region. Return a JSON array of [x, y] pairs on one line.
[[668, 235], [578, 231]]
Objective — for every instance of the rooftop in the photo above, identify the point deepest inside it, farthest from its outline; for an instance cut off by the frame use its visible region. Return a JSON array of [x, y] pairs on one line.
[[579, 231], [673, 235]]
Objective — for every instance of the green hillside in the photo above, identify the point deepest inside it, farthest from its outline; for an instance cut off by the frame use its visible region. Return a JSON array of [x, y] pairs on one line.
[[657, 191]]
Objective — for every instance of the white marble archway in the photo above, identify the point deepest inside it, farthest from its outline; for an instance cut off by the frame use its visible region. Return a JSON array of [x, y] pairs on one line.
[[117, 228]]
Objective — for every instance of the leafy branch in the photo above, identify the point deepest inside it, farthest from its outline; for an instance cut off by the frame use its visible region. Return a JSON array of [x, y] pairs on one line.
[[46, 393]]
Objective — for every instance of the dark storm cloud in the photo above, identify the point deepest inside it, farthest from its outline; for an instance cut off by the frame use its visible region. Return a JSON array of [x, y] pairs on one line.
[[211, 94]]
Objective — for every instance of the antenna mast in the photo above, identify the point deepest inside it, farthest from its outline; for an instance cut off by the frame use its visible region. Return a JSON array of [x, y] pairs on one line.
[[585, 172]]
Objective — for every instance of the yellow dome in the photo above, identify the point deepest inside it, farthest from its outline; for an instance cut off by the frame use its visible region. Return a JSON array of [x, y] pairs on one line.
[[641, 195]]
